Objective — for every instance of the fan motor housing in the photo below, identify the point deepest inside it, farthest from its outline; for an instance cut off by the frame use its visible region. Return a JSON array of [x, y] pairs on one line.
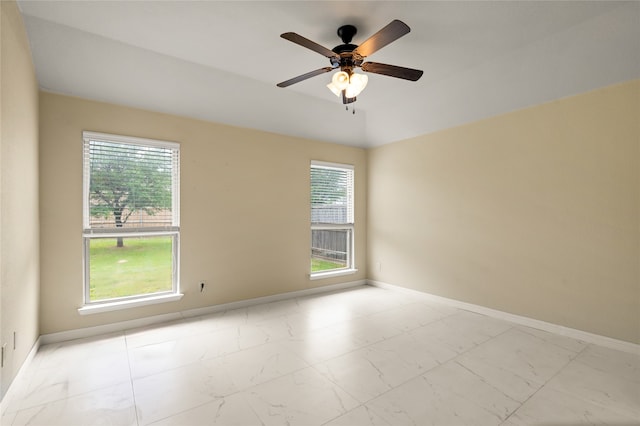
[[346, 33], [344, 48]]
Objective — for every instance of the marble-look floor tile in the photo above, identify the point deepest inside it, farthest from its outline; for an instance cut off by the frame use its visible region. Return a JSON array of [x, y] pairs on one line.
[[109, 406], [361, 301], [519, 364], [360, 416], [362, 356], [7, 418], [372, 370], [388, 299], [223, 319], [164, 332], [326, 316], [564, 342], [426, 343], [504, 380], [480, 327], [171, 392], [96, 362], [232, 410], [461, 331], [257, 313], [155, 358], [350, 298], [78, 351], [80, 376], [368, 330], [423, 353], [158, 357], [322, 344], [597, 387], [11, 402], [301, 398], [409, 316], [459, 380], [523, 354], [420, 402], [232, 339], [444, 336], [551, 407], [287, 326], [444, 309], [259, 364], [334, 296], [621, 364]]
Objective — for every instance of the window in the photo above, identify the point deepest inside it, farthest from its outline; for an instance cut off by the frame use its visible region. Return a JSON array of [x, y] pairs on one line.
[[331, 218], [131, 219]]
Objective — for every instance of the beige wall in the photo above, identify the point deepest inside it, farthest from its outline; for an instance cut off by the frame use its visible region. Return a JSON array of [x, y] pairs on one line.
[[19, 252], [244, 208], [535, 212]]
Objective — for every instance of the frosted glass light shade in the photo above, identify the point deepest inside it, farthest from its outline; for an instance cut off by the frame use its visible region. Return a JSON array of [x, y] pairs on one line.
[[334, 89], [340, 80], [356, 85]]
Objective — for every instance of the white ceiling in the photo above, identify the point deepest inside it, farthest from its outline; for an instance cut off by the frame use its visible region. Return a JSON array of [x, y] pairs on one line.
[[220, 60]]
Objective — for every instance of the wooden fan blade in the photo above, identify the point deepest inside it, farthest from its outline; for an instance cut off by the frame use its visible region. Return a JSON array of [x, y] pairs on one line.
[[391, 32], [392, 71], [302, 77], [305, 42]]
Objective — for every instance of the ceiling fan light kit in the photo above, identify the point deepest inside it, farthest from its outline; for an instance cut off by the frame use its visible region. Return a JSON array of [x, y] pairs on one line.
[[347, 57], [351, 85]]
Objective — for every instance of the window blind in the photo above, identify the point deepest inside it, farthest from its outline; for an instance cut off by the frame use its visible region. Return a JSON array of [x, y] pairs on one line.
[[331, 194], [130, 186]]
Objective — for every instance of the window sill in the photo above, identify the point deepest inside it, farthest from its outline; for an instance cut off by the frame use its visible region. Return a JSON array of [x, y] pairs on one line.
[[96, 308], [331, 274]]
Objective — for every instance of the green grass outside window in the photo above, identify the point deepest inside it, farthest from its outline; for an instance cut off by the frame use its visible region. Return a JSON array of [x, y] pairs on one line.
[[319, 265], [143, 266]]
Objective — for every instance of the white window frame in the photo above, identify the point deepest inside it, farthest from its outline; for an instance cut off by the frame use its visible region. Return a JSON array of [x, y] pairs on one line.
[[130, 232], [350, 268]]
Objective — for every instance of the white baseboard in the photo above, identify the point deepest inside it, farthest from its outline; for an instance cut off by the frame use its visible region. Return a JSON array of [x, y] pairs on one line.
[[584, 336], [81, 333], [143, 322], [274, 298], [6, 399]]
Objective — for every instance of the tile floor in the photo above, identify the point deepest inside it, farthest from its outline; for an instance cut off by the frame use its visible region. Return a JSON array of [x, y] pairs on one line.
[[365, 356]]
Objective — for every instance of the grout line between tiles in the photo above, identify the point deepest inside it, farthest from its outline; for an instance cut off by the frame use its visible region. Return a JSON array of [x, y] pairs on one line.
[[547, 382], [133, 389]]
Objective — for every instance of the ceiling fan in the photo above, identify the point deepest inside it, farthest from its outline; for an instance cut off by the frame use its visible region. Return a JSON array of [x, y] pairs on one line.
[[348, 57]]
